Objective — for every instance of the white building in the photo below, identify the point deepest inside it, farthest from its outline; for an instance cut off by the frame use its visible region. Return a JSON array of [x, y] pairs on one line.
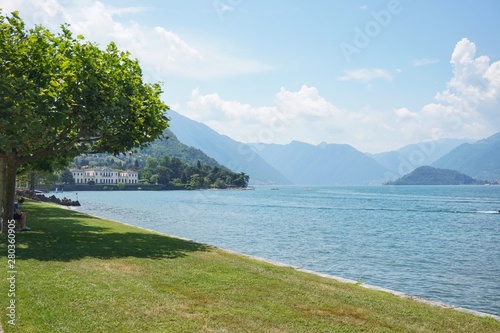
[[104, 175]]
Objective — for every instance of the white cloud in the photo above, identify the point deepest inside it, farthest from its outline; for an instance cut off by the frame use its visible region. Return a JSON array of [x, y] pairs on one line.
[[403, 114], [474, 89], [305, 103], [365, 75], [211, 107], [289, 106], [473, 77], [468, 107], [175, 44]]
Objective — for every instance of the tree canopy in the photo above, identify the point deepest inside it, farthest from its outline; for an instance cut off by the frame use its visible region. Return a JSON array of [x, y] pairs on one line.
[[62, 96]]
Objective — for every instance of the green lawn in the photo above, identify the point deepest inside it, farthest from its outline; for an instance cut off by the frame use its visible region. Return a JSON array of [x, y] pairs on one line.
[[77, 273]]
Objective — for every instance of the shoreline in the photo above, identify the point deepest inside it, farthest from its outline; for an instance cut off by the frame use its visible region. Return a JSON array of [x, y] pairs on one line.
[[371, 287], [418, 299]]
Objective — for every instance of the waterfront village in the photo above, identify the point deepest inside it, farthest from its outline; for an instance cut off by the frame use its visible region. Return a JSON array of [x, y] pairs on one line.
[[104, 175]]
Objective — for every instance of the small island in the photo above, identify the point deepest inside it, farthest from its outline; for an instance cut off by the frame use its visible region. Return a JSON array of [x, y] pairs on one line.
[[426, 175]]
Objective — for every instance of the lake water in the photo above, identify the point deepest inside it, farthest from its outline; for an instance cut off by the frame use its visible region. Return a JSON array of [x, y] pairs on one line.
[[437, 242]]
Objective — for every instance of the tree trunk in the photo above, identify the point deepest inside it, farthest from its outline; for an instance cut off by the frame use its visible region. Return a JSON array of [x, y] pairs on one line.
[[8, 169], [32, 182]]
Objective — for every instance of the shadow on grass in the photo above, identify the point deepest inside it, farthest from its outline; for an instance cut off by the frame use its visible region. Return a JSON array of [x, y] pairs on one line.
[[65, 235]]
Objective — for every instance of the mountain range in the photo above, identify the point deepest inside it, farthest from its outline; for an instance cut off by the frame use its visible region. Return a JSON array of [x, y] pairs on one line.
[[337, 164], [325, 164]]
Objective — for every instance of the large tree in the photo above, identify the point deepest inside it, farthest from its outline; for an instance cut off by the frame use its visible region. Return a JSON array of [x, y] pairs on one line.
[[62, 96]]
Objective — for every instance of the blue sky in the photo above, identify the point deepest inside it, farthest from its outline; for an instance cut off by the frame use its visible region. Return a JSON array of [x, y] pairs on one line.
[[373, 74]]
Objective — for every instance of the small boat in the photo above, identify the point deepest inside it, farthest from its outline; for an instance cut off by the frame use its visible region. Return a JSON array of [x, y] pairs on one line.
[[248, 188], [275, 188]]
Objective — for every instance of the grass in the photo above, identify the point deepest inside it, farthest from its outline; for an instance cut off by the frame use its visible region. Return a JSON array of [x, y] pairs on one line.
[[77, 273]]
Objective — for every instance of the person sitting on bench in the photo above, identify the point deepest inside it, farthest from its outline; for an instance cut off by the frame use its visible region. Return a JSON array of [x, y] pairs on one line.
[[20, 216]]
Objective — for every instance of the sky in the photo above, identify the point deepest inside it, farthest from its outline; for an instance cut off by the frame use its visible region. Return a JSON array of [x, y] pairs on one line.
[[377, 75]]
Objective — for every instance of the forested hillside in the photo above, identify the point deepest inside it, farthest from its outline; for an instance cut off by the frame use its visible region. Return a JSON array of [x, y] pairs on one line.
[[427, 175], [174, 148]]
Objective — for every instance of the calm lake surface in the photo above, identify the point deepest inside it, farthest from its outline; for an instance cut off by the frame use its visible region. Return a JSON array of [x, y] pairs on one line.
[[438, 242]]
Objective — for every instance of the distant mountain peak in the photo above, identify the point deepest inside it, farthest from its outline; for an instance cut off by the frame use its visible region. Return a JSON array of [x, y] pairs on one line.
[[491, 139]]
